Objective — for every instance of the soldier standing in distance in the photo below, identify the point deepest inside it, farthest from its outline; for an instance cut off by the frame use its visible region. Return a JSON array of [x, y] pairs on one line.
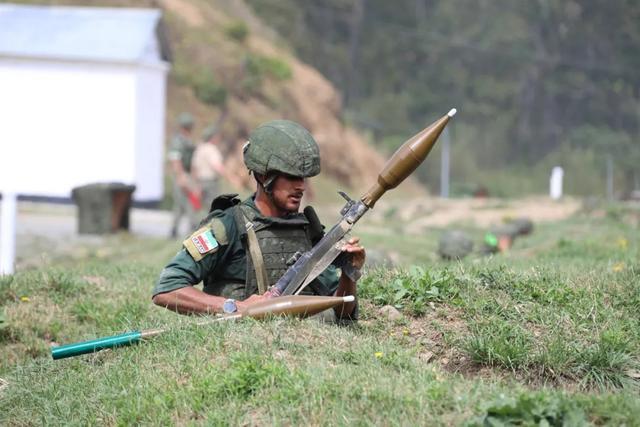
[[184, 187], [243, 248], [208, 166]]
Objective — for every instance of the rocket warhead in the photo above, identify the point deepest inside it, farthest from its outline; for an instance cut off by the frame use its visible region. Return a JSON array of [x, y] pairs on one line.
[[406, 159], [294, 305]]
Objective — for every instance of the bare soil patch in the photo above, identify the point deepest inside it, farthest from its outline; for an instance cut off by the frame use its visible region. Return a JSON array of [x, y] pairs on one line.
[[186, 11], [421, 213]]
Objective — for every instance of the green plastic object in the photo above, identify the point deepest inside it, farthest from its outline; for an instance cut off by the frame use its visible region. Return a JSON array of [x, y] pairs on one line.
[[491, 239], [92, 346]]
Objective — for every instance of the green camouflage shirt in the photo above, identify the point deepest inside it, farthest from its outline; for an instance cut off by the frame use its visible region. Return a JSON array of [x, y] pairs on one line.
[[182, 149], [219, 253]]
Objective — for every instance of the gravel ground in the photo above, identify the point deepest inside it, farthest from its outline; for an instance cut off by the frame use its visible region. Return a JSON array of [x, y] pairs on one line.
[[60, 221], [44, 228]]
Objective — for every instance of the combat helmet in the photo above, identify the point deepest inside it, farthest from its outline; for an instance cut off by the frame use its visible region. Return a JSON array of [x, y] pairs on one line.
[[282, 146], [185, 120]]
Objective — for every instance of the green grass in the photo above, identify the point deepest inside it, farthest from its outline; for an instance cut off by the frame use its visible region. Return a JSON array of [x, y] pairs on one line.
[[547, 334]]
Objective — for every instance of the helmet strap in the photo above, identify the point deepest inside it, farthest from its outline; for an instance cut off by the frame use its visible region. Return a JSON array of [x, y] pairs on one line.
[[266, 182]]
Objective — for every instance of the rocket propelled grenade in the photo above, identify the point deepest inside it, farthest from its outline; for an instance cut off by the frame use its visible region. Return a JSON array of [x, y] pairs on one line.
[[293, 305], [406, 159], [403, 162]]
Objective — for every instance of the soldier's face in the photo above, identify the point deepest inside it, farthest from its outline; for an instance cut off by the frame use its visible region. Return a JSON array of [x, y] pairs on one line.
[[287, 192]]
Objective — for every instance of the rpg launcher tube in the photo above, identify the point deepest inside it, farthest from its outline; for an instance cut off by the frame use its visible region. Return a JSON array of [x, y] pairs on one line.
[[406, 159], [279, 287]]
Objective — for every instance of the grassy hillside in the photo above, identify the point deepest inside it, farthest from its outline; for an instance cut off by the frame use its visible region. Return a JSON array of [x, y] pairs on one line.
[[547, 333], [228, 68]]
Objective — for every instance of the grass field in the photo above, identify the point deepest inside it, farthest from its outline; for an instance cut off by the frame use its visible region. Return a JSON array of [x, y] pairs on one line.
[[547, 334]]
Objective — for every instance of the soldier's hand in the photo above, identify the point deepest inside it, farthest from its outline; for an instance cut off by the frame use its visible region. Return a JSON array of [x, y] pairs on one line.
[[196, 191], [243, 305], [357, 252]]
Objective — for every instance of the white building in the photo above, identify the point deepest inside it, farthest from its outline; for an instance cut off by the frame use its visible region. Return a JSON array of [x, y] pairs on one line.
[[82, 99]]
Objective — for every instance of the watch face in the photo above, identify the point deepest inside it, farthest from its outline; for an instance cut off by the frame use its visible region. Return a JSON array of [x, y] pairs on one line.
[[230, 306]]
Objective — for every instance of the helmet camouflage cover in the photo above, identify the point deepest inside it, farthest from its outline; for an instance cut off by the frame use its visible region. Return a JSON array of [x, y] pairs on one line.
[[282, 146], [185, 120]]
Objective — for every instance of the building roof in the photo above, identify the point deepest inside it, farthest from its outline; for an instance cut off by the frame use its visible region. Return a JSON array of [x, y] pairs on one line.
[[81, 33]]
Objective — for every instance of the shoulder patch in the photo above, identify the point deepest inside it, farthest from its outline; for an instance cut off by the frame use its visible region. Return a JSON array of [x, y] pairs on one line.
[[201, 243], [219, 230]]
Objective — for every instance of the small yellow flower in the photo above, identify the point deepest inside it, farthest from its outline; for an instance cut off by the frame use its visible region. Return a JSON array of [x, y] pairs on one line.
[[405, 331], [24, 299], [623, 243], [619, 266], [378, 354]]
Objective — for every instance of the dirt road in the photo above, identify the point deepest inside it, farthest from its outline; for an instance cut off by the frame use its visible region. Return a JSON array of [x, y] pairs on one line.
[[433, 212]]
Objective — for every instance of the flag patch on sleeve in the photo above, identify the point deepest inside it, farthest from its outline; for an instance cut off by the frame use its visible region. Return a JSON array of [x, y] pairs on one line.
[[201, 243], [204, 242]]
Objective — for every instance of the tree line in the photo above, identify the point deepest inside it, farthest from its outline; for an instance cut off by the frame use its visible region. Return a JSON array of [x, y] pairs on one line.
[[536, 82]]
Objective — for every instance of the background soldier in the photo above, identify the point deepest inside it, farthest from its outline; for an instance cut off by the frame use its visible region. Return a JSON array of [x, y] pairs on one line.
[[186, 193], [243, 248], [208, 166]]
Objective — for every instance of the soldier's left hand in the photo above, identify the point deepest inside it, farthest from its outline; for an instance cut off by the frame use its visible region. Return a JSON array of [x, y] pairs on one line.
[[244, 304], [357, 252]]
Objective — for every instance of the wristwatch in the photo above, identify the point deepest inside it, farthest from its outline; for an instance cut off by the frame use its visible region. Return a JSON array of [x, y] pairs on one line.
[[229, 306]]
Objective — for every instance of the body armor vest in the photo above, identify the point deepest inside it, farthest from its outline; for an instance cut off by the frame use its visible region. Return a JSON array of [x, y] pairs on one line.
[[279, 240]]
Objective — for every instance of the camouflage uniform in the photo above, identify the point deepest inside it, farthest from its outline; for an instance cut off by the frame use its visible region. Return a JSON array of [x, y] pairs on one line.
[[206, 153], [218, 252], [182, 149], [223, 265]]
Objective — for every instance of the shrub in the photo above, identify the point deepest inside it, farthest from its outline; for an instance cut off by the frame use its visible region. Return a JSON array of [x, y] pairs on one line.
[[410, 290], [208, 90], [532, 409], [237, 31], [499, 343], [259, 66]]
